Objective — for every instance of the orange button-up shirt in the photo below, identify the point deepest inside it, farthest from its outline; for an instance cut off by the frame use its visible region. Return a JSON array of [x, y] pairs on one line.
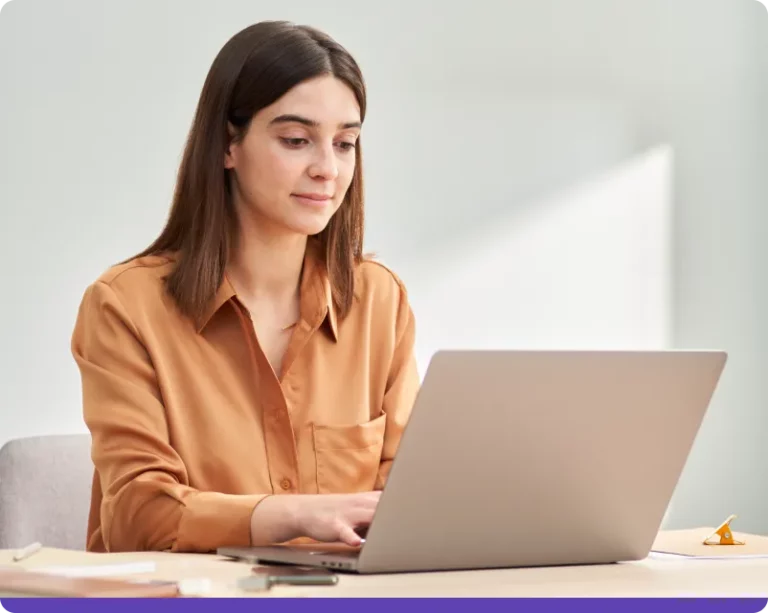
[[191, 428]]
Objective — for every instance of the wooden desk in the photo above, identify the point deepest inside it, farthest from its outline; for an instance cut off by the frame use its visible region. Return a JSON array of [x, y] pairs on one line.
[[651, 577]]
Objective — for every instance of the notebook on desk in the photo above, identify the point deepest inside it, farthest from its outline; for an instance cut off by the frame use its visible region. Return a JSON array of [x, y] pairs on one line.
[[531, 458], [18, 582]]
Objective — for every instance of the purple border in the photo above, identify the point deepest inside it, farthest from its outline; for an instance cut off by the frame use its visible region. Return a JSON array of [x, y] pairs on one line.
[[356, 605]]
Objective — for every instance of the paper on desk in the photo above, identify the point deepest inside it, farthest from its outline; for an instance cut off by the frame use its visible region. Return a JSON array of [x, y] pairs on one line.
[[689, 544], [100, 570]]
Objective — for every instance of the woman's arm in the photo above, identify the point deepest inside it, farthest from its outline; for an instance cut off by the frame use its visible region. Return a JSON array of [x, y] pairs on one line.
[[402, 384], [147, 503]]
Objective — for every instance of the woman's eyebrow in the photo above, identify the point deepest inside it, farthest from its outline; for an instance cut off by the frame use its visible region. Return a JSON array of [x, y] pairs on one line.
[[290, 118]]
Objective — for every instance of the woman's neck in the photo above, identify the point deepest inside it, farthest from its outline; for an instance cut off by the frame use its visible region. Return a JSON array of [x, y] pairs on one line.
[[266, 265]]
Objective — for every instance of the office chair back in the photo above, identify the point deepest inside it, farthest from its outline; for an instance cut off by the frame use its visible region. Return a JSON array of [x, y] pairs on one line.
[[45, 490]]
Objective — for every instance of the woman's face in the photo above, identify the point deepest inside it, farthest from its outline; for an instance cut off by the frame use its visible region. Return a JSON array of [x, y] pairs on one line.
[[292, 168]]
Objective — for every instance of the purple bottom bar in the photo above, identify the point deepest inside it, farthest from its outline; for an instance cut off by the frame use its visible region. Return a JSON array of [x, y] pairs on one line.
[[356, 605]]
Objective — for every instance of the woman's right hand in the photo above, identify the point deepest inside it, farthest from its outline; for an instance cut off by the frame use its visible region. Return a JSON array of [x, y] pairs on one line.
[[322, 517]]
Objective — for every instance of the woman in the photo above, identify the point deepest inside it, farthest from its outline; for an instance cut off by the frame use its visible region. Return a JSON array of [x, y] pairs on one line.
[[247, 378]]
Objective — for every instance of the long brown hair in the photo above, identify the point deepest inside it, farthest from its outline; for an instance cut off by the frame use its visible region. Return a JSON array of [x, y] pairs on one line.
[[254, 68]]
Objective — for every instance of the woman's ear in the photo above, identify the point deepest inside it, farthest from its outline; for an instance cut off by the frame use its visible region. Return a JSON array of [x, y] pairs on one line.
[[229, 158]]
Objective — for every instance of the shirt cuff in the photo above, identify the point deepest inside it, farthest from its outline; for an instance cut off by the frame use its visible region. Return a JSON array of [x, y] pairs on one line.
[[211, 520]]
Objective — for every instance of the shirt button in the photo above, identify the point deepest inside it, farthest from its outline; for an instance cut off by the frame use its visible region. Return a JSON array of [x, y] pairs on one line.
[[285, 484]]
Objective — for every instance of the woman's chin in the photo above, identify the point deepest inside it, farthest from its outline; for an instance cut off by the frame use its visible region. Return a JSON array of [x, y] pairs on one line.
[[307, 227]]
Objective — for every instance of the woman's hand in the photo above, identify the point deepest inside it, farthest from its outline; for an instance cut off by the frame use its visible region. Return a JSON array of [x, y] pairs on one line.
[[322, 517]]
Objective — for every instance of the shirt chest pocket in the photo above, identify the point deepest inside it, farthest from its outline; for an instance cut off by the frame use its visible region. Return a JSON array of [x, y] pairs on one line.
[[348, 457]]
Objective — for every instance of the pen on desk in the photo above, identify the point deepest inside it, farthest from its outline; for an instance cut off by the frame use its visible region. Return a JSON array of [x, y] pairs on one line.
[[24, 553]]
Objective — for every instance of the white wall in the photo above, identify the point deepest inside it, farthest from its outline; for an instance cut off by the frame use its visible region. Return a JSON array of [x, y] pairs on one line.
[[524, 149], [587, 267]]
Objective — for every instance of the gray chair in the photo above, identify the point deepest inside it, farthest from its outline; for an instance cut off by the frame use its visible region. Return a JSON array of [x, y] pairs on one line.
[[45, 490]]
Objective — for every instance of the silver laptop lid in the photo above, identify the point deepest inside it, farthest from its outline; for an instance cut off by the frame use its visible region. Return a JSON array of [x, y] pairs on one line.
[[524, 458]]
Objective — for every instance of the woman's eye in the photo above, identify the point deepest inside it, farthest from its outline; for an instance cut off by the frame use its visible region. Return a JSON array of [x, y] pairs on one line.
[[294, 142], [345, 146]]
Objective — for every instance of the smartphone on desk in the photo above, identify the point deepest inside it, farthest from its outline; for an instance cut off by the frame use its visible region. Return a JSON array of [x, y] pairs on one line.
[[263, 577]]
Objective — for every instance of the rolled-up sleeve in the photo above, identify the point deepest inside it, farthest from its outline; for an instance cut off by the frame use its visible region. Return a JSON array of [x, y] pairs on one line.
[[147, 502]]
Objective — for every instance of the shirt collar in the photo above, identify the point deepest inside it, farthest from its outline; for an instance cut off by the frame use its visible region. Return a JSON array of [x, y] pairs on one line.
[[315, 294]]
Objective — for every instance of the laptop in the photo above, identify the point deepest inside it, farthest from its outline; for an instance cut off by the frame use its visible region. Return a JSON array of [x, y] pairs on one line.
[[530, 458]]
